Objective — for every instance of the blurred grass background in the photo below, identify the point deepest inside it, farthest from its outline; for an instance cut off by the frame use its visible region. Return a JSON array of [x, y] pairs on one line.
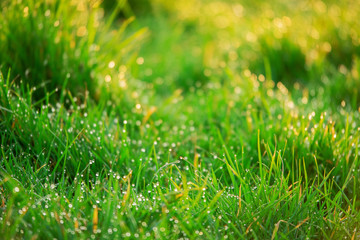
[[298, 43], [189, 43]]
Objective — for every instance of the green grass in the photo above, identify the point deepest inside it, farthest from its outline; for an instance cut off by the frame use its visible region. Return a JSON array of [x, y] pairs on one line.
[[207, 131], [47, 43]]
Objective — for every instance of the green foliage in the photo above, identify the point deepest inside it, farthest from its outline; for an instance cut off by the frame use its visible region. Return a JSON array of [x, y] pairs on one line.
[[131, 7], [48, 43], [280, 60], [228, 122], [343, 49]]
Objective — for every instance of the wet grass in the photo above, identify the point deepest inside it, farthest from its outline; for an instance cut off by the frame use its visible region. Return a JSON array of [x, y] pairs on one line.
[[239, 133]]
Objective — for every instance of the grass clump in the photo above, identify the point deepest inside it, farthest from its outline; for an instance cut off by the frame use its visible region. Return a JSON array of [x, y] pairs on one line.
[[282, 61], [48, 43]]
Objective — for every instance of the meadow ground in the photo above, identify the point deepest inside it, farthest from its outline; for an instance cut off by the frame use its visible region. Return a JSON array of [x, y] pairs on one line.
[[192, 119]]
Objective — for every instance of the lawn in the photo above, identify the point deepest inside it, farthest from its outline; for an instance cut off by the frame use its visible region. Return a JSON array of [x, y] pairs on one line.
[[191, 119]]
